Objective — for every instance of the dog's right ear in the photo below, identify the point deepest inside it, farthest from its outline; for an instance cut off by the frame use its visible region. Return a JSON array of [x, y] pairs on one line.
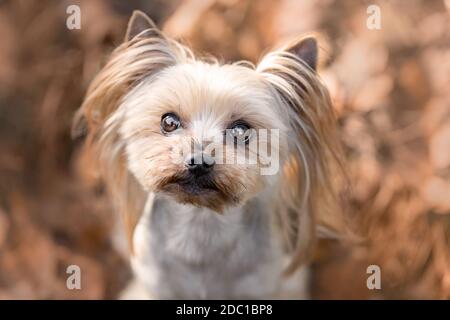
[[141, 25], [305, 49]]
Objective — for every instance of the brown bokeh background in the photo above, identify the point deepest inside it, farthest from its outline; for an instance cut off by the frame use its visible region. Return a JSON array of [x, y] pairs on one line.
[[391, 90]]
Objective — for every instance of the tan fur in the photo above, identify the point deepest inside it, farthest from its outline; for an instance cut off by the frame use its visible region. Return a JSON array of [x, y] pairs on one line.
[[307, 194]]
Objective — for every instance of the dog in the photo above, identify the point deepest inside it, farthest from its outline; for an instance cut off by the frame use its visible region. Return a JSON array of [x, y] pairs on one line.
[[202, 226]]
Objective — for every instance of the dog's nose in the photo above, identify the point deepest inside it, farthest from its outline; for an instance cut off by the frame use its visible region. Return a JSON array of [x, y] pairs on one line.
[[200, 164]]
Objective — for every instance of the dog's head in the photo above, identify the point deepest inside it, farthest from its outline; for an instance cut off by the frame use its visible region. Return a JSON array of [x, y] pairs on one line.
[[206, 133]]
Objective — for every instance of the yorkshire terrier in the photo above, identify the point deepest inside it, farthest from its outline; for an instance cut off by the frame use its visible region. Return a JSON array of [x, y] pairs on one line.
[[182, 142]]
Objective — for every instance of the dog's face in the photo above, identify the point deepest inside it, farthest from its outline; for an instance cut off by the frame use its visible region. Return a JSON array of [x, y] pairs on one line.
[[204, 133], [190, 129]]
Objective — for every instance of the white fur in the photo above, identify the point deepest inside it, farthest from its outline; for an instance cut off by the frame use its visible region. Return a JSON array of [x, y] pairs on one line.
[[193, 253]]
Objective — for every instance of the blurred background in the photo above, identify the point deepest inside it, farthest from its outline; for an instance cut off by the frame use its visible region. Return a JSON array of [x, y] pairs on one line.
[[391, 91]]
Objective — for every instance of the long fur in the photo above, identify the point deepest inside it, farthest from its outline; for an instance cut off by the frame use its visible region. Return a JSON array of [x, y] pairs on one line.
[[129, 64], [307, 195]]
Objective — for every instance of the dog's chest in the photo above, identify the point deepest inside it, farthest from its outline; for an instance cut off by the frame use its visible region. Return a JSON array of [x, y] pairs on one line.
[[188, 252]]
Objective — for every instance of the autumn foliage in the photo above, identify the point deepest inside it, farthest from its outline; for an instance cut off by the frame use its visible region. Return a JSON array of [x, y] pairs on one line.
[[390, 88]]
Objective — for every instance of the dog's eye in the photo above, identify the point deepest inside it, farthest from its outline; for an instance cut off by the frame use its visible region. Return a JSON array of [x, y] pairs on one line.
[[240, 131], [170, 122]]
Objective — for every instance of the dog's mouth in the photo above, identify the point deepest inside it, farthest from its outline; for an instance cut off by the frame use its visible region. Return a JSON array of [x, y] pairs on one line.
[[193, 185], [198, 190], [197, 185]]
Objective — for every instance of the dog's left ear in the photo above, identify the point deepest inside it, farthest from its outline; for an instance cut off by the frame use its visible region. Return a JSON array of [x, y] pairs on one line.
[[307, 194], [306, 50], [138, 23]]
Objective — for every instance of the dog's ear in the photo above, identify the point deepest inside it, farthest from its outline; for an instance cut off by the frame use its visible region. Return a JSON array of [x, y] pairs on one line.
[[307, 193], [306, 50], [138, 23]]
